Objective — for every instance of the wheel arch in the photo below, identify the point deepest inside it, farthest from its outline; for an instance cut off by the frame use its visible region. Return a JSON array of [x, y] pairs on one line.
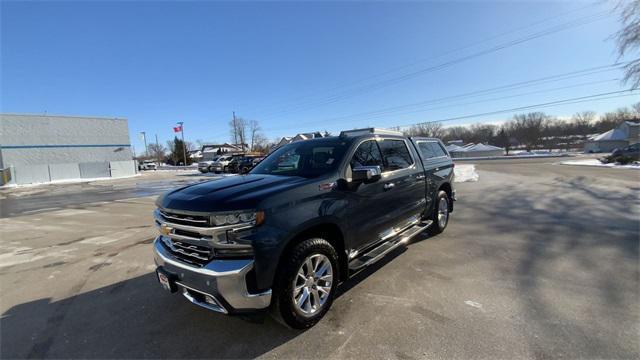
[[446, 187], [328, 231]]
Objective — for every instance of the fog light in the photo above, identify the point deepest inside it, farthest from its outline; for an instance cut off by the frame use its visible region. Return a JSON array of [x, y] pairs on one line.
[[209, 300]]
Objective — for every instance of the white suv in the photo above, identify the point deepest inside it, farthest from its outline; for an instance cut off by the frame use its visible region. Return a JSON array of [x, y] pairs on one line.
[[147, 165], [205, 166], [220, 165]]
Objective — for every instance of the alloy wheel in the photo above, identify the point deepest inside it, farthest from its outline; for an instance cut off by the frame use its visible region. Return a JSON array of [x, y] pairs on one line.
[[312, 284], [443, 212]]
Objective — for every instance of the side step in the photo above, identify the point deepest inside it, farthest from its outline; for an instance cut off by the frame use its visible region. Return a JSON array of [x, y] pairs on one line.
[[383, 249]]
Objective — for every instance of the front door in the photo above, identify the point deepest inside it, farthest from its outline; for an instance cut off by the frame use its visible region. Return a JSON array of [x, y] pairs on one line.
[[379, 208]]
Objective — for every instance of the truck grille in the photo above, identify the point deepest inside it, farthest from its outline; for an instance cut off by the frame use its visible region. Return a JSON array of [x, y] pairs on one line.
[[189, 253], [190, 220]]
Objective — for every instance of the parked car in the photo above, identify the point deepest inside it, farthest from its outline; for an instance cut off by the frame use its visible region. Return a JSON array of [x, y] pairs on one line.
[[242, 165], [222, 163], [309, 216], [624, 156], [205, 166], [147, 165]]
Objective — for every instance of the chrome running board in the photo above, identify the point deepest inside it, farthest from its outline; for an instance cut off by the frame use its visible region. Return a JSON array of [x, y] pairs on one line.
[[383, 249]]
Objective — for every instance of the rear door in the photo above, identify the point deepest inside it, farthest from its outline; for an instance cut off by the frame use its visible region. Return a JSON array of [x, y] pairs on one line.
[[437, 165]]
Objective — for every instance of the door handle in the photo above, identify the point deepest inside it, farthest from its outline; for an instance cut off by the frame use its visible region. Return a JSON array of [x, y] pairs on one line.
[[389, 186], [420, 177], [436, 169]]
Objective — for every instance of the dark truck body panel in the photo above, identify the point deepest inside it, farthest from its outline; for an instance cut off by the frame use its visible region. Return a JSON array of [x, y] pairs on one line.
[[361, 215]]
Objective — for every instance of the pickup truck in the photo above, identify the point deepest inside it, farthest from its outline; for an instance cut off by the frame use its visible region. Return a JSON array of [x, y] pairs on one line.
[[309, 216], [222, 163]]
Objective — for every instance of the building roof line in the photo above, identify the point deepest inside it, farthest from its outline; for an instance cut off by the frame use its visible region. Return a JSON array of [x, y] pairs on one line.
[[64, 116]]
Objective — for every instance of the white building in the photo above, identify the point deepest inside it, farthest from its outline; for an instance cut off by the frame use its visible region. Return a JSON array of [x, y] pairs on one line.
[[43, 148], [302, 136], [622, 136], [475, 150], [208, 152]]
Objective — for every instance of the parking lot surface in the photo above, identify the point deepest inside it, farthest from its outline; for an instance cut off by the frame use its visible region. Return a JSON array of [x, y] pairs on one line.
[[539, 261]]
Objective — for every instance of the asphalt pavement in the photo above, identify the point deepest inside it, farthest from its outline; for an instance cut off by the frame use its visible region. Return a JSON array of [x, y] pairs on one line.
[[539, 261]]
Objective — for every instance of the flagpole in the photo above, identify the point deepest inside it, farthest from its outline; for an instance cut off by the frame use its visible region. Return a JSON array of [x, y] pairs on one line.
[[184, 145]]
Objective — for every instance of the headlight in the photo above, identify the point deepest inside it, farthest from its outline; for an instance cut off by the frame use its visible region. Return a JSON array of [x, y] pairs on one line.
[[238, 217]]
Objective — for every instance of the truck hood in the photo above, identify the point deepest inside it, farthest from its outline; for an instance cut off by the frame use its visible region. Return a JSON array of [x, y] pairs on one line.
[[231, 193]]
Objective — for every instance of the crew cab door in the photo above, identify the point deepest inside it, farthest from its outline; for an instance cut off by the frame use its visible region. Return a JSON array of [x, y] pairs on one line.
[[438, 166], [381, 208]]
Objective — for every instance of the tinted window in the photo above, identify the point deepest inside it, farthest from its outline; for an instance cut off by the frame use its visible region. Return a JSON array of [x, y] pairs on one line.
[[396, 154], [426, 150], [367, 154], [437, 149], [303, 158]]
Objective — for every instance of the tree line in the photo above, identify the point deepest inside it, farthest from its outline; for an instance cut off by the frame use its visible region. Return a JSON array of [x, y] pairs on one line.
[[531, 131]]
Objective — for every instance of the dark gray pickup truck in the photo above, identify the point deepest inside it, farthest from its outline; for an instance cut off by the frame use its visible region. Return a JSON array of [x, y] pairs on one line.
[[306, 218]]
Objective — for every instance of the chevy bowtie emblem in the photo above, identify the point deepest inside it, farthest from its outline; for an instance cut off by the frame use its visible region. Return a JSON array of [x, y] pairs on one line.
[[165, 230]]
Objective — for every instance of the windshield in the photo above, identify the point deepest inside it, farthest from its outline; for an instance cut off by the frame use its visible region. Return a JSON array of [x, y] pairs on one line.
[[304, 158]]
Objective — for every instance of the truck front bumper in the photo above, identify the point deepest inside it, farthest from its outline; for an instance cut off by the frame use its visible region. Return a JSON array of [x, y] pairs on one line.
[[219, 286]]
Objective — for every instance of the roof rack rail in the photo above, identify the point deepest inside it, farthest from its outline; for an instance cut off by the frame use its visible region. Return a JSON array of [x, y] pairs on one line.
[[365, 131]]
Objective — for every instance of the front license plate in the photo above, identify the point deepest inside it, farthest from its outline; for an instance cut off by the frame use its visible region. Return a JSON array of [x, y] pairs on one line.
[[164, 281]]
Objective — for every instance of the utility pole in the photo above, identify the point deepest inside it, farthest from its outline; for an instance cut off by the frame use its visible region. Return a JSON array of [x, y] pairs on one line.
[[158, 149], [144, 137], [235, 129], [184, 145]]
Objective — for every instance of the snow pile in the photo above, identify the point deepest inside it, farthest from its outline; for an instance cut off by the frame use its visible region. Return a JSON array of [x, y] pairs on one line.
[[465, 173], [596, 162]]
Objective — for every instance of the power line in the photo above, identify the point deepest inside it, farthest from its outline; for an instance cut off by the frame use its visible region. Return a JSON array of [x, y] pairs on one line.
[[392, 81], [472, 94], [601, 96], [494, 99], [470, 45]]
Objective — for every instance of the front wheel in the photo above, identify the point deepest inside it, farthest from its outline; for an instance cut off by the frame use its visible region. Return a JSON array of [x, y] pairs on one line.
[[306, 283], [440, 216]]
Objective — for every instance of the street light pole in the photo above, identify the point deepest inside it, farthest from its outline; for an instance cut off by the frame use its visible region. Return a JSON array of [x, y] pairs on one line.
[[158, 149], [184, 145], [146, 149]]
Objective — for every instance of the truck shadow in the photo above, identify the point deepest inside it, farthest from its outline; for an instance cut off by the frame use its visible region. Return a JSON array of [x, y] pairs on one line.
[[132, 319], [135, 318]]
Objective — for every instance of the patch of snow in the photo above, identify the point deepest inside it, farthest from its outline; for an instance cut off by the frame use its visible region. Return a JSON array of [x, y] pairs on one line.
[[465, 173], [474, 304], [67, 181], [596, 162]]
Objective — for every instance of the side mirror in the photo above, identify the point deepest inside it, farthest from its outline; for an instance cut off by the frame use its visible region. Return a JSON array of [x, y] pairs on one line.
[[366, 174]]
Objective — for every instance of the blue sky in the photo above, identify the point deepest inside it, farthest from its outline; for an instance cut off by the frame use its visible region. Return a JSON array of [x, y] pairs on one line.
[[298, 66]]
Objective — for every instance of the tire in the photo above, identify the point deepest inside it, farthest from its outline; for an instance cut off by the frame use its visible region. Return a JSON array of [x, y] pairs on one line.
[[314, 306], [440, 223]]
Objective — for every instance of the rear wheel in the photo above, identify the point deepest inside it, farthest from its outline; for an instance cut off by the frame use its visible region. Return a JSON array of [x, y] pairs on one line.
[[306, 283], [440, 216]]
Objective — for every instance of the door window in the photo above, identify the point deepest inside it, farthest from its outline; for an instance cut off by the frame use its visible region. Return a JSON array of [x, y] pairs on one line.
[[426, 150], [367, 154], [395, 154], [437, 149], [431, 149]]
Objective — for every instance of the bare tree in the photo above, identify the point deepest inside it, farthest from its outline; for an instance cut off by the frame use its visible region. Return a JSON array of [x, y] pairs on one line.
[[482, 133], [238, 130], [157, 151], [628, 38], [581, 122], [254, 132], [528, 128], [428, 129], [504, 136]]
